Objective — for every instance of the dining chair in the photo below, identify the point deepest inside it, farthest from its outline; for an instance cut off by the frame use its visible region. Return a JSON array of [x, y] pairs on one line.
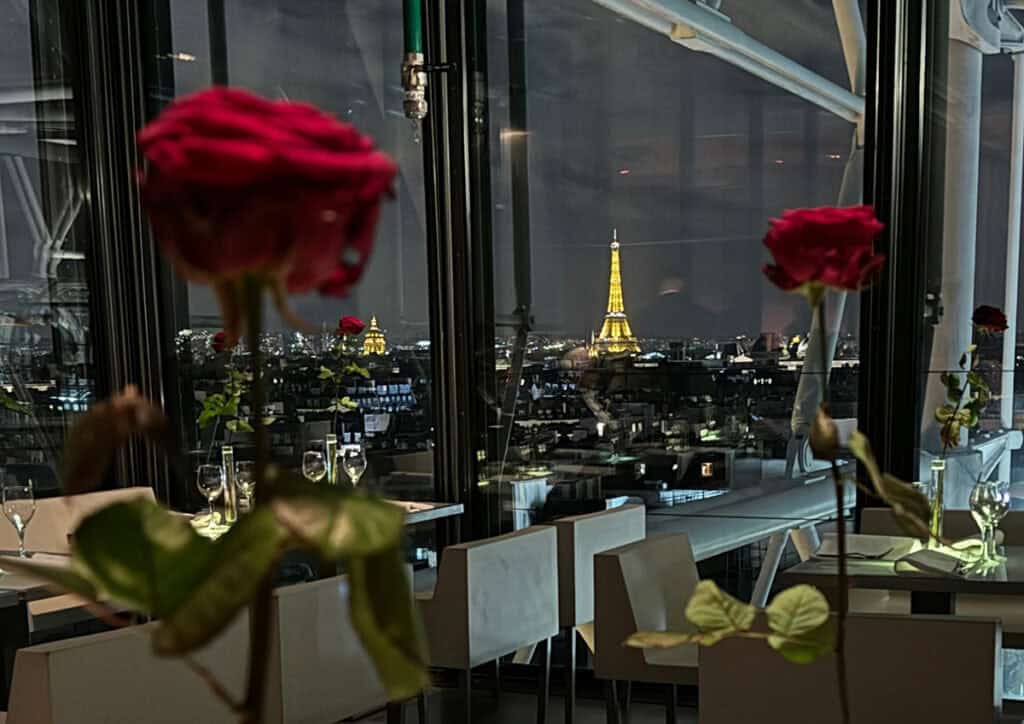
[[115, 677], [580, 538], [643, 586], [318, 671], [492, 597], [907, 669]]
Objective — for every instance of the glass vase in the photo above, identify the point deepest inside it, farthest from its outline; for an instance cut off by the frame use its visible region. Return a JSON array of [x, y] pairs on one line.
[[938, 482], [331, 448], [227, 458]]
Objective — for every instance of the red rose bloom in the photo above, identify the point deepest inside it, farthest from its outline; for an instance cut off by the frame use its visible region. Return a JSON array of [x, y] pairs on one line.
[[824, 247], [220, 342], [350, 325], [989, 319], [238, 184]]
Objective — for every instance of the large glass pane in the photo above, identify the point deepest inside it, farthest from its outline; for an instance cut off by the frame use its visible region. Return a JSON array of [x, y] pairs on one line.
[[345, 58], [661, 366], [46, 367]]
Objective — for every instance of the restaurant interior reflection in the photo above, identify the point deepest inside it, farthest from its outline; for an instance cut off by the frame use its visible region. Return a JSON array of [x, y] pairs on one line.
[[621, 360]]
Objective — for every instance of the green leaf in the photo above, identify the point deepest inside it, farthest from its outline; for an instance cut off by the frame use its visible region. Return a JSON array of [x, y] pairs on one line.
[[668, 639], [268, 421], [976, 380], [64, 578], [824, 436], [383, 615], [796, 611], [140, 555], [808, 646], [354, 369], [717, 613], [337, 523], [239, 425], [347, 403], [230, 408], [242, 559], [943, 413], [326, 374], [909, 506], [9, 402], [953, 389]]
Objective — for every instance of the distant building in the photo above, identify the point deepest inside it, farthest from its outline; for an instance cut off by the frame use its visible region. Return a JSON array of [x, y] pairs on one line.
[[616, 336], [373, 341]]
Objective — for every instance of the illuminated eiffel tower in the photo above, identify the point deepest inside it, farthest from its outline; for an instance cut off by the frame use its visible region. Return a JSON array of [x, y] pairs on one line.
[[616, 336]]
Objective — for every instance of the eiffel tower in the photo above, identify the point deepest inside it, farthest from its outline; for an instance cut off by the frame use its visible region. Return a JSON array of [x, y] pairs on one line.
[[616, 336]]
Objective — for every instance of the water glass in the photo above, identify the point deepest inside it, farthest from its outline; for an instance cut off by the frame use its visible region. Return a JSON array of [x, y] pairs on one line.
[[990, 502], [314, 466], [245, 478], [353, 462], [19, 507], [210, 481]]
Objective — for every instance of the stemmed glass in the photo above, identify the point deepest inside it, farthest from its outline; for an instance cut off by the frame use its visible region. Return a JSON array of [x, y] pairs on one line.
[[990, 501], [19, 507], [314, 467], [210, 481], [245, 478], [353, 462]]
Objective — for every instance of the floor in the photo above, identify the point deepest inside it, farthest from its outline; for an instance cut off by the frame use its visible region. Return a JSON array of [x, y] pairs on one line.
[[513, 708]]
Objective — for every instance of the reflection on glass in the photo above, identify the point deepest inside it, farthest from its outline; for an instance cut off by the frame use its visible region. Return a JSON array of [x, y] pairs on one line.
[[353, 462], [314, 466], [19, 507], [989, 503], [245, 478], [210, 481]]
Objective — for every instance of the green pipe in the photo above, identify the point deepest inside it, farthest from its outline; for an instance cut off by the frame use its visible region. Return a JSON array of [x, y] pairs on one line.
[[412, 12]]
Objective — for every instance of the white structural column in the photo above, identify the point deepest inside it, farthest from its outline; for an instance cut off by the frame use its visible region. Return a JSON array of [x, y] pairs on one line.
[[960, 222], [1012, 259], [851, 193]]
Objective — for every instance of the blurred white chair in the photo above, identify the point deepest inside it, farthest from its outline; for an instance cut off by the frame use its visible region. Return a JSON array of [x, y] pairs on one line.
[[319, 672], [492, 597], [906, 669], [643, 586], [115, 677], [580, 538]]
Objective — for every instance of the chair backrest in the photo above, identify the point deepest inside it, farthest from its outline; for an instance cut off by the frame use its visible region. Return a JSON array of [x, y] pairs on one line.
[[955, 524], [899, 670], [643, 586], [320, 671], [115, 677], [496, 595], [580, 537], [56, 518]]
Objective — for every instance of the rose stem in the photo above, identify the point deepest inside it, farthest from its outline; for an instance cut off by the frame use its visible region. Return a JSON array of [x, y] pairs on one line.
[[837, 479], [259, 609]]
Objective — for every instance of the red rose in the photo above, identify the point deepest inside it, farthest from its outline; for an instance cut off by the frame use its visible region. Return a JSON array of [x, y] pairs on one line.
[[350, 325], [220, 342], [824, 247], [989, 319], [239, 184]]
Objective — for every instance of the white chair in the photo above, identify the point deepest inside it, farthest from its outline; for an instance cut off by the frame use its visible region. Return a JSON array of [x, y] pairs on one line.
[[493, 597], [319, 672], [580, 538], [115, 677], [643, 586], [906, 669]]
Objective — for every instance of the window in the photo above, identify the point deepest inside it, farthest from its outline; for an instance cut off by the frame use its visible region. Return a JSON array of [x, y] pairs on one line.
[[344, 58], [47, 375], [659, 363]]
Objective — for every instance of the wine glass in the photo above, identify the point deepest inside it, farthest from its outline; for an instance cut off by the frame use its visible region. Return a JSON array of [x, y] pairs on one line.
[[990, 501], [245, 478], [353, 462], [314, 466], [19, 507], [210, 481]]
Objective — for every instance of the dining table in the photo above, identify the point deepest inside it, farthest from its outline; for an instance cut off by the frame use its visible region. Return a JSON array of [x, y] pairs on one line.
[[931, 592]]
